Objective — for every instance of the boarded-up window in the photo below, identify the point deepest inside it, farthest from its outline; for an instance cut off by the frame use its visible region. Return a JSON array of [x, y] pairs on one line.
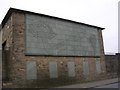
[[53, 69], [98, 66], [85, 68], [31, 70], [71, 69]]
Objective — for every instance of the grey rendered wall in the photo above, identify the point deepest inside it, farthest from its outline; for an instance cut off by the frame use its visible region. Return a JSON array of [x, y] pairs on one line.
[[71, 69], [85, 69], [48, 36], [53, 69], [31, 70], [98, 66]]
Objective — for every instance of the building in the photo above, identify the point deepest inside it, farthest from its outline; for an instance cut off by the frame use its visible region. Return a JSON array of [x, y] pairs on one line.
[[39, 50]]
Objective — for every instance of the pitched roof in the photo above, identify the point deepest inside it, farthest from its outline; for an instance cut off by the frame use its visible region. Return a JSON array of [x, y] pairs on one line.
[[11, 10]]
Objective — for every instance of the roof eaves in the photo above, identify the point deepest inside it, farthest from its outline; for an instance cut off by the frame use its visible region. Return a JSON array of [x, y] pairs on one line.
[[11, 10]]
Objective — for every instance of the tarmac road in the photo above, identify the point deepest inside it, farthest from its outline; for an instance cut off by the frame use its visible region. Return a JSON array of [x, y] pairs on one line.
[[114, 85]]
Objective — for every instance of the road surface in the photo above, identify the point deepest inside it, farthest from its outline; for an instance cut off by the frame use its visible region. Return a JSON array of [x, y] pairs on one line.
[[114, 85]]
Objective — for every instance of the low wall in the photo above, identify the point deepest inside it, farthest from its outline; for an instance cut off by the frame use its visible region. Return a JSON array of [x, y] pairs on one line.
[[112, 64]]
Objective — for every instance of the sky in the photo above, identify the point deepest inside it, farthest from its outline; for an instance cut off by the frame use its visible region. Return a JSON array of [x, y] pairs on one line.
[[102, 13]]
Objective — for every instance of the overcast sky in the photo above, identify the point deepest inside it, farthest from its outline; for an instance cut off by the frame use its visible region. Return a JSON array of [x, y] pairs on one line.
[[102, 13]]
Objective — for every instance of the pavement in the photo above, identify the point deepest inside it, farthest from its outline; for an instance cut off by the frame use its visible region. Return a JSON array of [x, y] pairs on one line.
[[92, 84]]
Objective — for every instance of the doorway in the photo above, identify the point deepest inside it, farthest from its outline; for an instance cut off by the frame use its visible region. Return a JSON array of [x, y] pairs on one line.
[[5, 57]]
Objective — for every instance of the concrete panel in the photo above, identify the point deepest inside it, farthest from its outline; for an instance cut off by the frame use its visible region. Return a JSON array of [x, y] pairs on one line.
[[53, 69], [71, 69], [31, 70], [53, 34], [85, 68], [98, 66]]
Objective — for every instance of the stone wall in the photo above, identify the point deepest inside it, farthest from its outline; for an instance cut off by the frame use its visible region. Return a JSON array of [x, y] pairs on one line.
[[118, 56], [112, 64], [18, 61], [7, 32]]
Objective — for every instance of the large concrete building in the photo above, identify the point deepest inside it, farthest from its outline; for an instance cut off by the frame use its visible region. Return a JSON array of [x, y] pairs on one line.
[[39, 50]]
